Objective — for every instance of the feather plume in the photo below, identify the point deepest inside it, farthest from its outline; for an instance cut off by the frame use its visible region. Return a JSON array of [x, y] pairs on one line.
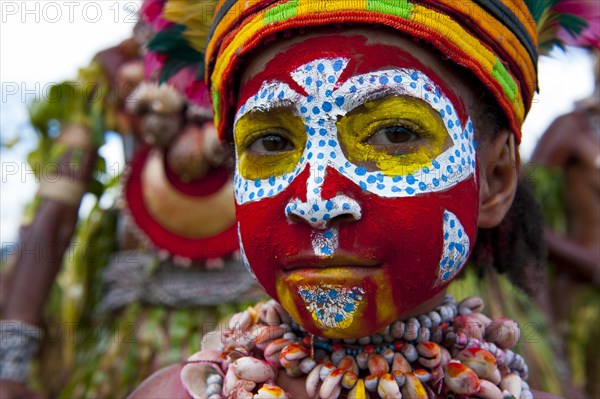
[[562, 22], [589, 11], [181, 30], [177, 52], [195, 15]]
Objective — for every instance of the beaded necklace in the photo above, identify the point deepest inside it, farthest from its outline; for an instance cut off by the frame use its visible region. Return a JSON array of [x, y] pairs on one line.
[[452, 350]]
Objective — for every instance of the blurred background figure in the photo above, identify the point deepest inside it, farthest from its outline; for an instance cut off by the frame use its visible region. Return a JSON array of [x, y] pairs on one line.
[[564, 177], [565, 170], [565, 167], [154, 266], [70, 123]]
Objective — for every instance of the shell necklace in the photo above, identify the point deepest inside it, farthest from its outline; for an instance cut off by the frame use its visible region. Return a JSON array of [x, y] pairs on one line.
[[452, 350]]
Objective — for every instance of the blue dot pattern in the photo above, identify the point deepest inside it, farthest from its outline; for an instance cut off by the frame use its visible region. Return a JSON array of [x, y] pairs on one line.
[[455, 250], [320, 111], [325, 242], [331, 306]]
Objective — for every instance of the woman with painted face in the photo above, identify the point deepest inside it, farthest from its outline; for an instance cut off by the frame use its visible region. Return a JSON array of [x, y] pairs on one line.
[[366, 161]]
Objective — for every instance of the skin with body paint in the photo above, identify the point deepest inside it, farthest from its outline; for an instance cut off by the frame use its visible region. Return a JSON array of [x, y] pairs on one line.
[[356, 182]]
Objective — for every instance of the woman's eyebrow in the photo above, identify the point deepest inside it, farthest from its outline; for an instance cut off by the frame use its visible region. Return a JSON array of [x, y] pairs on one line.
[[265, 107]]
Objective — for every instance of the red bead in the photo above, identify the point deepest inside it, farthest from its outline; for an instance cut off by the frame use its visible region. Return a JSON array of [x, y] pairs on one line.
[[369, 349], [398, 345], [337, 347]]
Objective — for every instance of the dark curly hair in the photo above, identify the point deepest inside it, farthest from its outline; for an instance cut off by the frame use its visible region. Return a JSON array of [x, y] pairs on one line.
[[516, 246]]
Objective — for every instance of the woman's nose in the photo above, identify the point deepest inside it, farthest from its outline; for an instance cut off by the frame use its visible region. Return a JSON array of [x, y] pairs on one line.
[[319, 212]]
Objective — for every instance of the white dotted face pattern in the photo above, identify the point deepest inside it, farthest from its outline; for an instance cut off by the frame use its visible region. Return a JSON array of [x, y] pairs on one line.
[[243, 254], [455, 250], [326, 101]]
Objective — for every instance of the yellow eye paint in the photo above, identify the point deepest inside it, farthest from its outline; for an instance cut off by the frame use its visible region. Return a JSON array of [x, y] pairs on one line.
[[399, 159], [256, 125]]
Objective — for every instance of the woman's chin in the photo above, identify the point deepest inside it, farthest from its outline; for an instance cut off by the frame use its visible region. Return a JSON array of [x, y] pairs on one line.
[[353, 331]]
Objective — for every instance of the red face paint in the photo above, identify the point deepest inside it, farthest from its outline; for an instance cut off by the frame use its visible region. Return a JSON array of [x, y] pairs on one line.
[[398, 238], [389, 256]]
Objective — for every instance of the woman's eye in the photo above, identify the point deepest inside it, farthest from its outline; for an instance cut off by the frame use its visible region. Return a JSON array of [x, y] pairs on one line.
[[392, 135], [270, 143]]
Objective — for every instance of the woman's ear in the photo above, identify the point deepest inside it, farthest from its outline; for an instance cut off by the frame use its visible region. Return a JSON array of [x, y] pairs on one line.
[[499, 173]]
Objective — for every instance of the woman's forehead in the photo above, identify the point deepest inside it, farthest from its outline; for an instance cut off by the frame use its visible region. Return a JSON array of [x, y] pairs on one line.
[[367, 49], [347, 42]]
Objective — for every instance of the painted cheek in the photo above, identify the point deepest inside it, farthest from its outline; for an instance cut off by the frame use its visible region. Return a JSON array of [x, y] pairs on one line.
[[415, 267], [407, 235], [268, 237]]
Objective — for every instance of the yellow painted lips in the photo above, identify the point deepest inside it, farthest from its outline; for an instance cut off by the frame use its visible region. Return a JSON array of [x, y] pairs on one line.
[[370, 283]]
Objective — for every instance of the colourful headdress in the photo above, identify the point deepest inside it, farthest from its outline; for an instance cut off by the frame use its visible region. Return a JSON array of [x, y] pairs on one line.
[[188, 216], [496, 39], [176, 49]]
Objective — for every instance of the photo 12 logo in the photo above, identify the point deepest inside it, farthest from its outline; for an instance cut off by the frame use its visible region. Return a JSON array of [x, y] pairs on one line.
[[69, 11]]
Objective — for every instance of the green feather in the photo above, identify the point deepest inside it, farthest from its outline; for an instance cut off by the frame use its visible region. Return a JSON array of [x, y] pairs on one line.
[[171, 42], [180, 54], [573, 24], [171, 67], [537, 8], [549, 22], [200, 70]]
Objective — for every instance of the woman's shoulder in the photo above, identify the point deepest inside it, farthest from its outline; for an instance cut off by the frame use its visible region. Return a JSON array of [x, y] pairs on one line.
[[165, 383]]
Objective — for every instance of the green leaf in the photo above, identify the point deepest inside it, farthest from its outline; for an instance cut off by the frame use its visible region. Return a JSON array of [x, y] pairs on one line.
[[64, 102], [96, 187], [100, 166]]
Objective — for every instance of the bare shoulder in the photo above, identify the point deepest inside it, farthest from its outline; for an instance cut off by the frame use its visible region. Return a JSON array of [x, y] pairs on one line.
[[165, 383], [544, 395]]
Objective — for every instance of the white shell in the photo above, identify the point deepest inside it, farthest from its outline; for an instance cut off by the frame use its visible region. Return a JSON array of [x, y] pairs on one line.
[[387, 387], [249, 368], [487, 390], [313, 381], [331, 386], [511, 383], [192, 377]]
